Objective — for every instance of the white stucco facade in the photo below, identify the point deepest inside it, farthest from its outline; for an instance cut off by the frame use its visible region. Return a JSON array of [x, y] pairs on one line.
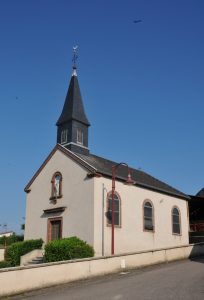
[[131, 236], [77, 198], [84, 203]]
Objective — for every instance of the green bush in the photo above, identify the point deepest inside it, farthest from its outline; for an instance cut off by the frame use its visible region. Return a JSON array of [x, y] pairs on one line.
[[10, 239], [16, 250], [5, 264], [66, 249]]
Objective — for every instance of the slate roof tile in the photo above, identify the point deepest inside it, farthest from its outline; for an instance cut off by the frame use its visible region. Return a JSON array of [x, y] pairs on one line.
[[73, 108]]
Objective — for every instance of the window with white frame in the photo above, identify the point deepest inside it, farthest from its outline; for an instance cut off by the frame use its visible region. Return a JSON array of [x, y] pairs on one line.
[[148, 216], [80, 136], [64, 135]]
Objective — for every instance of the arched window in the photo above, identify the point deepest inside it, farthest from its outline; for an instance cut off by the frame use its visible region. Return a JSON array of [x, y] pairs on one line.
[[176, 226], [117, 209], [148, 211], [56, 186]]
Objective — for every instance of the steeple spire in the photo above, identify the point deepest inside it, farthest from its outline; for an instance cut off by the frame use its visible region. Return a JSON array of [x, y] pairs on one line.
[[73, 124]]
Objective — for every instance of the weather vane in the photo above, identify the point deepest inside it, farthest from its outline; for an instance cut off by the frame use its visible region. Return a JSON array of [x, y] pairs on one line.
[[75, 56]]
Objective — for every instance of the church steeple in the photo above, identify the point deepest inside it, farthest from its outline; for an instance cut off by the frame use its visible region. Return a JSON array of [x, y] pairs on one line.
[[73, 124]]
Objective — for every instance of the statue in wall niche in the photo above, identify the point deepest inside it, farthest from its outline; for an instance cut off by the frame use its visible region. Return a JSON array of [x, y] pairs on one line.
[[57, 186]]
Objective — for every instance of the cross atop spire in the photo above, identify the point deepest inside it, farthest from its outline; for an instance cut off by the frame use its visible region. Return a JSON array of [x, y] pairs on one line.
[[74, 59]]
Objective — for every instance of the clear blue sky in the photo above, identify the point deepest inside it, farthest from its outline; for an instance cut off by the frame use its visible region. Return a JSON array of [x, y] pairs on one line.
[[142, 86]]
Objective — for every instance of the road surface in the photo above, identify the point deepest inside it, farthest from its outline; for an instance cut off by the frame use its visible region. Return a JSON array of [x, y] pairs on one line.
[[177, 280]]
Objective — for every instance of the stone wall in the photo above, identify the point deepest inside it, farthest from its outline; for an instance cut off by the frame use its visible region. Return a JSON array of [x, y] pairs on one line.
[[12, 280]]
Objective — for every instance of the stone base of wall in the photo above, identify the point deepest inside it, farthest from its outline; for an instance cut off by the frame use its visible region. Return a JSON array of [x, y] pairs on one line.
[[17, 280]]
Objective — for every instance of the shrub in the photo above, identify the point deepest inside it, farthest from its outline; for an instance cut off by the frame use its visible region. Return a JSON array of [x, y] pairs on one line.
[[66, 249], [16, 250], [10, 239], [5, 264]]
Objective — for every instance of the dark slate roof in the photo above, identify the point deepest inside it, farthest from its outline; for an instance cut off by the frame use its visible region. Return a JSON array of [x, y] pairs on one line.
[[200, 193], [141, 178], [98, 165], [73, 106]]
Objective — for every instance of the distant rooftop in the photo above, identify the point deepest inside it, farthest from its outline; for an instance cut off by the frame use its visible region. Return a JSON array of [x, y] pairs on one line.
[[200, 193]]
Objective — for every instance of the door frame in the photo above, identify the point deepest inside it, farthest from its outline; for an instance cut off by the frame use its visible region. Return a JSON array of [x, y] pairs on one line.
[[49, 227]]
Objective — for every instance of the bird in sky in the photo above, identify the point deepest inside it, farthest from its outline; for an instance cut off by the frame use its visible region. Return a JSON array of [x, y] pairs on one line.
[[137, 21]]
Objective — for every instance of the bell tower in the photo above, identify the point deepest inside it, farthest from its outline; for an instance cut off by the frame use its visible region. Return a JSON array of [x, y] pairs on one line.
[[72, 125]]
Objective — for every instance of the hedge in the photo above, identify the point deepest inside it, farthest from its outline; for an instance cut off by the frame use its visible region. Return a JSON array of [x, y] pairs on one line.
[[5, 264], [66, 249], [10, 239], [15, 251]]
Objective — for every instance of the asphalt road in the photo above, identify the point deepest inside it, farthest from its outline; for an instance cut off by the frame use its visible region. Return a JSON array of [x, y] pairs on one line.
[[177, 280]]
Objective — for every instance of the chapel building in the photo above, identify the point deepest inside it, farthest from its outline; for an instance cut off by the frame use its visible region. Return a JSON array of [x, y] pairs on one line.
[[71, 194]]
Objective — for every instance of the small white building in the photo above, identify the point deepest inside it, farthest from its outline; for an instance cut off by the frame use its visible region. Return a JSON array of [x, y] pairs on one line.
[[6, 234], [71, 195]]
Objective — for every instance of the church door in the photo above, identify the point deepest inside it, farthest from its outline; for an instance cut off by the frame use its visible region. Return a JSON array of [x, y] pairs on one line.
[[54, 229]]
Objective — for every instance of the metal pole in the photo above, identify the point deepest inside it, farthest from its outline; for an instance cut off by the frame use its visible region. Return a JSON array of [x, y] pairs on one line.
[[103, 196], [113, 207]]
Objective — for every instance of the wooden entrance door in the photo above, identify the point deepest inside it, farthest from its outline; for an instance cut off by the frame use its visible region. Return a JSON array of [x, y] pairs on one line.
[[54, 229]]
